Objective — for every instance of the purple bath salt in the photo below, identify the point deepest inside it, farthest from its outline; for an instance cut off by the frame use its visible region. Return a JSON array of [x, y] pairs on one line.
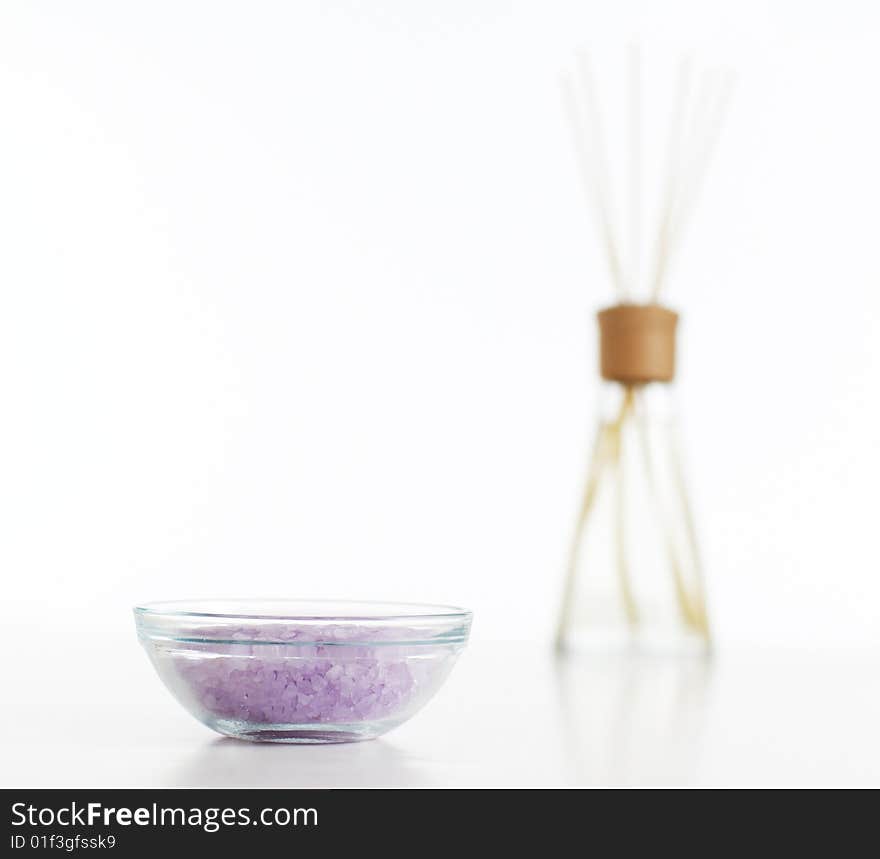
[[301, 671], [283, 675]]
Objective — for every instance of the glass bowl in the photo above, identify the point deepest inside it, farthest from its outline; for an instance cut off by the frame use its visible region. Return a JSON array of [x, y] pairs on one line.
[[297, 671]]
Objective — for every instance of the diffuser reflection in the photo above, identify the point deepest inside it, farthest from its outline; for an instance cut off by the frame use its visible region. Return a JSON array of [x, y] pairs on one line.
[[631, 719]]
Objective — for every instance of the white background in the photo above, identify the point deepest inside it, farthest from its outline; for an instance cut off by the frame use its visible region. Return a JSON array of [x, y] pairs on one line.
[[296, 298]]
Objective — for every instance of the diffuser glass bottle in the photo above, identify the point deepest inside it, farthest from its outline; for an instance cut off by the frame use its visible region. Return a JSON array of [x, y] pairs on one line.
[[634, 576]]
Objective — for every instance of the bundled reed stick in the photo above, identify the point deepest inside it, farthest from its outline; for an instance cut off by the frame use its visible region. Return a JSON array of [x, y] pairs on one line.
[[637, 346]]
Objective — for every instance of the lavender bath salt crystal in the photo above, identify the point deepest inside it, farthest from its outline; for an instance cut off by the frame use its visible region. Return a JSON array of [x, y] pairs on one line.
[[308, 684]]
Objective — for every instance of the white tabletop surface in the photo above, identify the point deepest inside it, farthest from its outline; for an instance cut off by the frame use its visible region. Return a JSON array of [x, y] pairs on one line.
[[76, 713]]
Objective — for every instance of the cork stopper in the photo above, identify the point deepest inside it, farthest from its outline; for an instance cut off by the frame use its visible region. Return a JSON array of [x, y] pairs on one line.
[[637, 343]]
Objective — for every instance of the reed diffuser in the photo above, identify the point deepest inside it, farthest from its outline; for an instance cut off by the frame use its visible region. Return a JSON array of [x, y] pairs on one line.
[[634, 575]]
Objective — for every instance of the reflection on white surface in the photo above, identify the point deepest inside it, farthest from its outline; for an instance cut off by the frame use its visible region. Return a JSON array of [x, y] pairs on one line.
[[630, 719], [509, 715], [228, 762]]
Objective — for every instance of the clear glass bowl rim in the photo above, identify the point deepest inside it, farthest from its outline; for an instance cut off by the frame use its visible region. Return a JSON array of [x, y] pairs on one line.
[[206, 620], [400, 611]]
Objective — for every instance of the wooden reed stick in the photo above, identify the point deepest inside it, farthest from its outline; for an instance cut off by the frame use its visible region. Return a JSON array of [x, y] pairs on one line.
[[634, 76], [692, 606], [707, 134], [700, 596], [626, 591], [595, 134], [590, 181], [597, 465], [606, 454], [672, 170]]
